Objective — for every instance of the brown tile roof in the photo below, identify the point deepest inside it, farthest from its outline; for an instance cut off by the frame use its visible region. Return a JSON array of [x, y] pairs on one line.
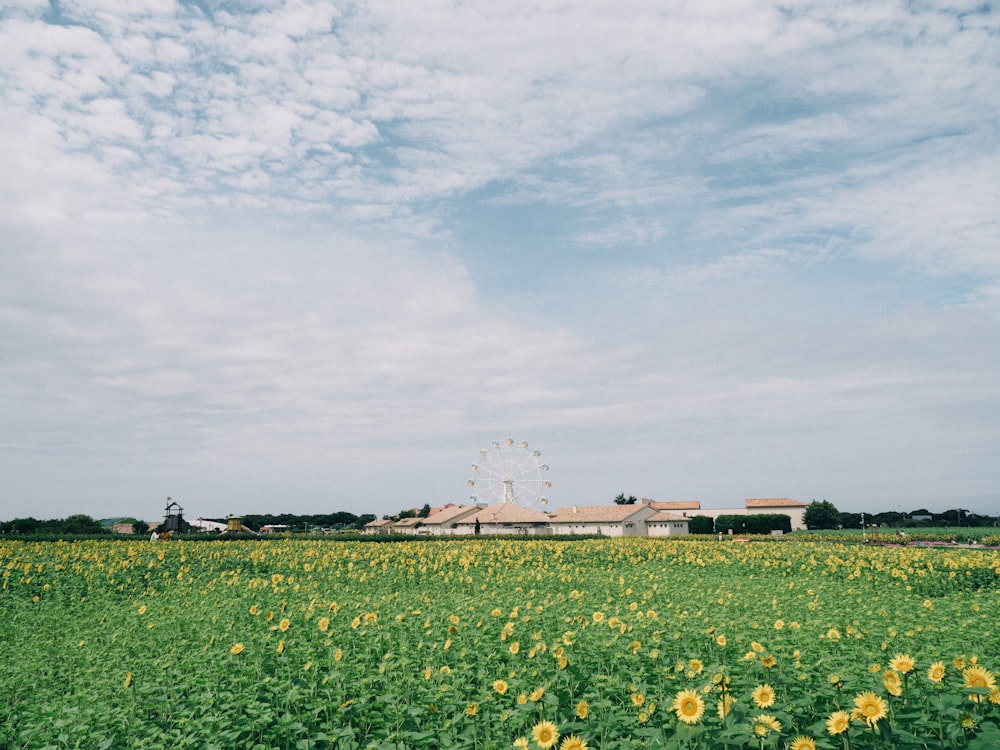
[[662, 515], [377, 523], [507, 513], [595, 513], [674, 505], [448, 513], [773, 502], [408, 521]]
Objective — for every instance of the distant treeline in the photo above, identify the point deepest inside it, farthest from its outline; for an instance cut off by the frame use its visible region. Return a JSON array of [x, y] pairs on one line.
[[340, 521], [918, 519], [75, 524]]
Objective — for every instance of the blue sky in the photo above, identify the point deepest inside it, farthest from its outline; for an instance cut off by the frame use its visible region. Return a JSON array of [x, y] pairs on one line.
[[313, 256]]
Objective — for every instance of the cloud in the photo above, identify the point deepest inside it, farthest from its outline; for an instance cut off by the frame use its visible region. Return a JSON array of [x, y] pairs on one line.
[[241, 238]]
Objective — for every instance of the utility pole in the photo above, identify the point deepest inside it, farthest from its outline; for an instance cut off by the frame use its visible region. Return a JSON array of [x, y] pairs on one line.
[[864, 529]]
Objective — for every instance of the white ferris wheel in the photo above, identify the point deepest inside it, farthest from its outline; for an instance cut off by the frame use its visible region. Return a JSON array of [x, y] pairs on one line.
[[510, 472]]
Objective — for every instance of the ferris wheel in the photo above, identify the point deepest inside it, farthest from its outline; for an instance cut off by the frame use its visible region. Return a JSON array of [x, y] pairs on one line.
[[510, 472]]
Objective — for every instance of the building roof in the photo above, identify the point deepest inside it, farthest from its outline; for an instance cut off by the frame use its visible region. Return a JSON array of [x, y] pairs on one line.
[[674, 504], [378, 522], [450, 513], [774, 502], [507, 513], [595, 513], [662, 516], [413, 521]]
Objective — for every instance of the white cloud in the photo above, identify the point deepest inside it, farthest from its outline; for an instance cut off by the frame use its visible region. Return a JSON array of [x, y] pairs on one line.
[[305, 234]]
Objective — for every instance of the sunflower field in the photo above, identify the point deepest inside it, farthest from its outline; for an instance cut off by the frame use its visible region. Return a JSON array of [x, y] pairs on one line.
[[486, 643]]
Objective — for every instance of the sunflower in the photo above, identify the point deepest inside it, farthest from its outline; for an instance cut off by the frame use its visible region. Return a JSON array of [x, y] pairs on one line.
[[995, 695], [572, 742], [236, 649], [768, 661], [545, 734], [802, 743], [936, 671], [696, 665], [902, 663], [725, 705], [638, 699], [521, 743], [472, 709], [978, 677], [283, 625], [893, 682], [764, 723], [128, 679], [838, 722], [582, 710], [536, 694], [720, 640], [763, 696], [500, 686], [869, 708], [323, 623], [689, 706]]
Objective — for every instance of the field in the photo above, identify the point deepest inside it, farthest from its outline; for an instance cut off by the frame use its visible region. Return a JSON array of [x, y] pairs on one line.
[[479, 643]]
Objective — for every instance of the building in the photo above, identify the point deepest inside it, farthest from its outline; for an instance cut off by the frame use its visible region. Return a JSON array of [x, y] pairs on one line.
[[504, 518], [381, 526], [604, 520], [664, 523], [442, 521]]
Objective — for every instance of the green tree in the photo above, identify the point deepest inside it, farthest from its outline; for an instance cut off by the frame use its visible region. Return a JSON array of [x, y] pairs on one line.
[[821, 514], [425, 511], [140, 528], [622, 500], [701, 525]]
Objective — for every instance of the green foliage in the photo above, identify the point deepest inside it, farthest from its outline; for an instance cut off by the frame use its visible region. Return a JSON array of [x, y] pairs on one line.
[[759, 523], [622, 500], [701, 525], [821, 514], [129, 644]]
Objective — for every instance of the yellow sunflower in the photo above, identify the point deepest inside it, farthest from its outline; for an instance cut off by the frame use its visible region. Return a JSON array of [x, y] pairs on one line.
[[323, 623], [582, 710], [802, 743], [902, 663], [545, 734], [764, 723], [763, 696], [869, 708], [725, 705], [500, 686], [236, 649], [936, 671], [283, 625], [689, 706], [572, 742], [838, 722], [978, 677], [893, 682]]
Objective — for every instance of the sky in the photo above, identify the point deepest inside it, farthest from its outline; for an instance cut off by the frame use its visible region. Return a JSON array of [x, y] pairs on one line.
[[308, 257]]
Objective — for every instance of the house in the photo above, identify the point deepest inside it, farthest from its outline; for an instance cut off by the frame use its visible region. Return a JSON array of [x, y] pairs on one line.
[[792, 508], [204, 524], [504, 518], [678, 505], [606, 520], [442, 521], [406, 525], [664, 523], [381, 526]]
